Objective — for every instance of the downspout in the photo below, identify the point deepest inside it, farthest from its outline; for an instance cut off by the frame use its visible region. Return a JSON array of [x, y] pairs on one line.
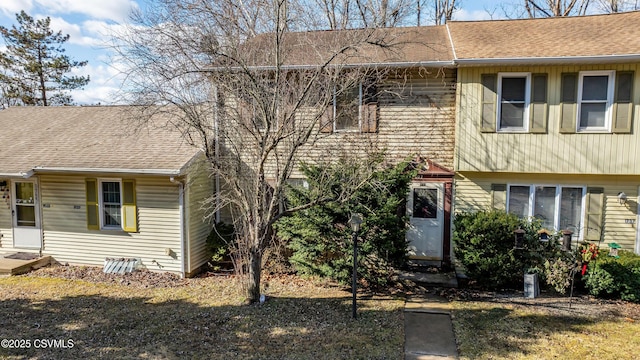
[[183, 238]]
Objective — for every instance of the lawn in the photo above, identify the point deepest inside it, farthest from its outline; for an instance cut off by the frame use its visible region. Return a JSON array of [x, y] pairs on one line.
[[194, 319], [512, 327]]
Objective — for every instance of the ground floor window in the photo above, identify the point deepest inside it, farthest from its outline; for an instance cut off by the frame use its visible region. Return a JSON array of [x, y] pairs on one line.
[[110, 204], [557, 207]]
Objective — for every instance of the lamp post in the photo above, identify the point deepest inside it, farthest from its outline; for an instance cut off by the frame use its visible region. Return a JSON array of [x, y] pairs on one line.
[[355, 221]]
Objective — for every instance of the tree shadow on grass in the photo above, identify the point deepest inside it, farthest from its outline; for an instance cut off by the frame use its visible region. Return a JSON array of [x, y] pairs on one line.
[[493, 330], [139, 327]]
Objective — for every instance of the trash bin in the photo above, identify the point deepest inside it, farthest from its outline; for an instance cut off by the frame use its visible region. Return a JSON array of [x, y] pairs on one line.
[[531, 286]]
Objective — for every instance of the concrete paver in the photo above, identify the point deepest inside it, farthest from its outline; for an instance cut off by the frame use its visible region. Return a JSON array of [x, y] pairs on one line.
[[428, 329]]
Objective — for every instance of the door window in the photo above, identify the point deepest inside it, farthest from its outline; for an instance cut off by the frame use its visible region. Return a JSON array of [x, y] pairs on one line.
[[25, 204], [425, 203]]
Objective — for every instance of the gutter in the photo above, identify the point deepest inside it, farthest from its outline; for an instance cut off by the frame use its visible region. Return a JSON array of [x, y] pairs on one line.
[[600, 59], [24, 175], [445, 63], [167, 172]]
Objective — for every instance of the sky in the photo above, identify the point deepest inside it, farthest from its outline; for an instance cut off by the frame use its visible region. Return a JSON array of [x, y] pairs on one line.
[[88, 22]]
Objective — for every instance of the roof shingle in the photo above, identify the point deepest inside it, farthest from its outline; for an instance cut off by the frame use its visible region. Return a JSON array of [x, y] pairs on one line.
[[87, 137]]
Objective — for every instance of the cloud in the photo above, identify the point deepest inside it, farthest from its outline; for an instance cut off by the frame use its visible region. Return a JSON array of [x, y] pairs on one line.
[[466, 15], [75, 31], [12, 7], [105, 82], [115, 10]]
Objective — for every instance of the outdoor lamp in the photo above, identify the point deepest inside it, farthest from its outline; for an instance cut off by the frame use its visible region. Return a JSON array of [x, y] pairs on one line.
[[622, 198], [355, 221]]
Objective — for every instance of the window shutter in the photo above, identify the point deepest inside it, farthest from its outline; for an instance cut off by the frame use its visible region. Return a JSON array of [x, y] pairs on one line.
[[326, 120], [568, 103], [538, 114], [499, 196], [93, 221], [594, 214], [369, 117], [129, 208], [623, 103], [489, 100]]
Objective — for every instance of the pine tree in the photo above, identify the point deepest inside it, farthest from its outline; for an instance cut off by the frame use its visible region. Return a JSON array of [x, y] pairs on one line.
[[34, 68]]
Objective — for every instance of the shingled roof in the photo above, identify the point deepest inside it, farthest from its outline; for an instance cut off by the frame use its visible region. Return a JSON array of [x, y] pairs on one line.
[[389, 46], [87, 138], [595, 38]]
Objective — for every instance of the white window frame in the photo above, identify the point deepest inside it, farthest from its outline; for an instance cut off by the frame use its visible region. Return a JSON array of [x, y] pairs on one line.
[[335, 110], [556, 220], [608, 105], [101, 204], [527, 101]]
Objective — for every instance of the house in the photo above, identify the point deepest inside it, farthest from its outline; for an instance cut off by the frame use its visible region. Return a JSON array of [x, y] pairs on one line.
[[547, 122], [82, 184], [408, 111]]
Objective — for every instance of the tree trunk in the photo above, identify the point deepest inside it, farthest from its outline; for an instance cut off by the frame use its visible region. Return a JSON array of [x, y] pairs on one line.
[[253, 280]]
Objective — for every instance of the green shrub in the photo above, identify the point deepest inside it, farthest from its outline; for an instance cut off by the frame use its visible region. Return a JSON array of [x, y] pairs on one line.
[[321, 239], [484, 244], [218, 243], [609, 277]]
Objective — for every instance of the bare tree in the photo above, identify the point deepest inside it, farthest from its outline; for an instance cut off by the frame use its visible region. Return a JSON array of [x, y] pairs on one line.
[[253, 94], [615, 6], [553, 8]]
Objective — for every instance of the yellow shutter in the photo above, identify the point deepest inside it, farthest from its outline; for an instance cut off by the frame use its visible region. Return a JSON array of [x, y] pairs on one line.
[[568, 105], [489, 102], [129, 208], [91, 191]]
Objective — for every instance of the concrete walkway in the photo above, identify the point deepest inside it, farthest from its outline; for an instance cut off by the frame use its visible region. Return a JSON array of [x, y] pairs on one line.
[[428, 330]]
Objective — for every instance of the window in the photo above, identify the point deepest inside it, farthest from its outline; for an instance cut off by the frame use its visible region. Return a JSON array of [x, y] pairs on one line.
[[514, 98], [111, 204], [354, 109], [557, 207], [595, 94]]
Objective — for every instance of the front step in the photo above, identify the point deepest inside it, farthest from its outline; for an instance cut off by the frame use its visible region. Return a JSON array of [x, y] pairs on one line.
[[17, 266], [431, 279]]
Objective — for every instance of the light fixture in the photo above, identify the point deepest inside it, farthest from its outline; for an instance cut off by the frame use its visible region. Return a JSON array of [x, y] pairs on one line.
[[622, 198], [355, 221]]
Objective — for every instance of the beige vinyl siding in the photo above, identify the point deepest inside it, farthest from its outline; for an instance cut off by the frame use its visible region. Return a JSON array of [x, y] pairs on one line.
[[473, 193], [416, 117], [551, 152], [199, 187], [67, 239], [6, 232]]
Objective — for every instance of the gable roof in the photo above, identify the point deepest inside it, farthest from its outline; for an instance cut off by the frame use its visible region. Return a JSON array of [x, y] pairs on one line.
[[401, 46], [88, 139], [594, 38]]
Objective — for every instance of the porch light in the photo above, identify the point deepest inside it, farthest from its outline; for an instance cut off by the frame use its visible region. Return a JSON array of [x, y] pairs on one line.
[[519, 239], [622, 198]]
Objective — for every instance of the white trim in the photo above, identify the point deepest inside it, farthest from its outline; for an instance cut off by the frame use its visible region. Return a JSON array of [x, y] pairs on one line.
[[453, 48], [597, 59], [40, 169], [28, 231], [527, 101], [608, 102], [101, 204]]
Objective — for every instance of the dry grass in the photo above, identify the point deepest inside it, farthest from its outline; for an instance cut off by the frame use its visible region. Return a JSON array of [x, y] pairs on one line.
[[498, 327], [196, 319]]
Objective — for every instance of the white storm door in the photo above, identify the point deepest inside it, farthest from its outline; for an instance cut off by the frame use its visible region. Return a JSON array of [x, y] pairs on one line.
[[26, 215], [425, 208]]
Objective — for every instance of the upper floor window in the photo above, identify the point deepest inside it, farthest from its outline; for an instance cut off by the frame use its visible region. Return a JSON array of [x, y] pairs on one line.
[[514, 97], [595, 96], [353, 109]]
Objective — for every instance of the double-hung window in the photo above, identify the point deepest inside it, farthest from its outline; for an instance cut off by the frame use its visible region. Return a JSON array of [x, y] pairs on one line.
[[514, 96], [353, 109], [595, 97], [110, 197], [556, 207]]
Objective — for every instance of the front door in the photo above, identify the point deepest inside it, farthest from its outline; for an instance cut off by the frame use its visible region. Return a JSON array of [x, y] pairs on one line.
[[26, 215], [425, 208]]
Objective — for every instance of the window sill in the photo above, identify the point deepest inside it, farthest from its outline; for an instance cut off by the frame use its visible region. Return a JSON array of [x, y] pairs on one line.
[[516, 131], [593, 131]]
